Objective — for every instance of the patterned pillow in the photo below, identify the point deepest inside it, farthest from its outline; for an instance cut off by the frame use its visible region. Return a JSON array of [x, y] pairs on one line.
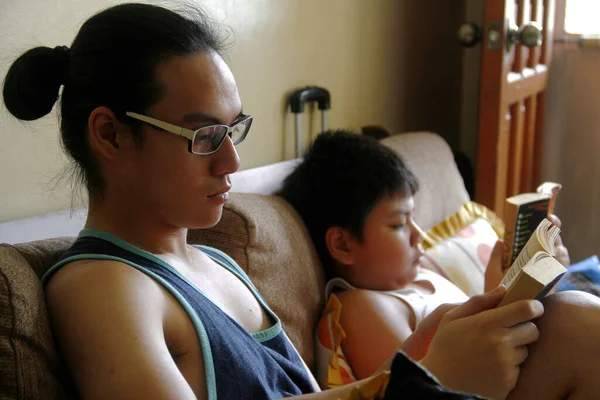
[[459, 248]]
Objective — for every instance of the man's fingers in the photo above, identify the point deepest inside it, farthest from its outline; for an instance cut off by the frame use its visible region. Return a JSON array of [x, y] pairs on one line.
[[524, 334], [432, 321], [520, 355], [517, 312], [477, 304], [416, 345]]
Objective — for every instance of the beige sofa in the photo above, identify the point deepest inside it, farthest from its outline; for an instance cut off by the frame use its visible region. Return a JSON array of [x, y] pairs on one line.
[[260, 231]]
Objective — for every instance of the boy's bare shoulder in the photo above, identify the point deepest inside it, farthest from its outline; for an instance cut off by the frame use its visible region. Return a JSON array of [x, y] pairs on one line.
[[363, 303], [376, 324]]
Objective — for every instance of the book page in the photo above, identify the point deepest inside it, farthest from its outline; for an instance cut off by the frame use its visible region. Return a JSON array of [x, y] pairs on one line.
[[542, 240], [535, 280]]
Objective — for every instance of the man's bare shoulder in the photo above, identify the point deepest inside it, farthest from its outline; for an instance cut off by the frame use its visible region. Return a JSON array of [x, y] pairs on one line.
[[109, 319], [100, 282]]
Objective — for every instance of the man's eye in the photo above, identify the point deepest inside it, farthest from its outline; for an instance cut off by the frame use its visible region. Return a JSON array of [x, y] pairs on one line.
[[203, 138], [398, 226]]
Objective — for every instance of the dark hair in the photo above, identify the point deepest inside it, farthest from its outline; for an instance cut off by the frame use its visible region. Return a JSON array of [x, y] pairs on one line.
[[340, 180], [112, 62]]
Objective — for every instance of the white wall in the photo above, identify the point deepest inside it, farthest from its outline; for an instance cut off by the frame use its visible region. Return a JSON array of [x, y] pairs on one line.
[[384, 61]]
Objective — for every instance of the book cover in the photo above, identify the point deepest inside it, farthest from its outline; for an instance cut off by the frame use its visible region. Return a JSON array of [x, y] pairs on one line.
[[522, 215]]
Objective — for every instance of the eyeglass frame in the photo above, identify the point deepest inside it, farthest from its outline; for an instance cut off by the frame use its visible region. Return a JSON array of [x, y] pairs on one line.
[[190, 134]]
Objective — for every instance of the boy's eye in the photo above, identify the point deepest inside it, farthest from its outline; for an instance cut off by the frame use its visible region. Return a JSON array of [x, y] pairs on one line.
[[398, 226]]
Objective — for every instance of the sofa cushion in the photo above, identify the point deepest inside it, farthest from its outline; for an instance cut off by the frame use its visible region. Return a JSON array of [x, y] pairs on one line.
[[29, 364], [269, 241], [442, 190], [459, 248]]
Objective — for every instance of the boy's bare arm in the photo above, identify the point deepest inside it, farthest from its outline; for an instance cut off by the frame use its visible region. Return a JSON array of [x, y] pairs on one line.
[[376, 325], [109, 326]]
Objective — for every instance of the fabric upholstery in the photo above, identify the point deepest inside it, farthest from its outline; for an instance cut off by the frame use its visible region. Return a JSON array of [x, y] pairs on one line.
[[29, 364], [269, 241], [442, 190]]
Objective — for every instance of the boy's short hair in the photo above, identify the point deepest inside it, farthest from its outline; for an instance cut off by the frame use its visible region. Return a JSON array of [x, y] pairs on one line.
[[340, 180]]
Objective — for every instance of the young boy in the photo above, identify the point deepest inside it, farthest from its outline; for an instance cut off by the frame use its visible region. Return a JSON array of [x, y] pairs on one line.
[[356, 198]]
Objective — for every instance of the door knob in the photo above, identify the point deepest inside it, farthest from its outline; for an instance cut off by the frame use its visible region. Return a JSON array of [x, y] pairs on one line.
[[529, 35], [469, 34]]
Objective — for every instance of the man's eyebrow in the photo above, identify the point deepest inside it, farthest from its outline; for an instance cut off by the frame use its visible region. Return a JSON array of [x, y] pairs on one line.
[[204, 118]]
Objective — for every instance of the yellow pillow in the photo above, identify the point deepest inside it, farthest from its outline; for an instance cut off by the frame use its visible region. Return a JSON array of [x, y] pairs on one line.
[[459, 248]]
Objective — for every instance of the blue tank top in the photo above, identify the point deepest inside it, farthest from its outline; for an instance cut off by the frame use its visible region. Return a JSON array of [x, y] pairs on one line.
[[238, 365]]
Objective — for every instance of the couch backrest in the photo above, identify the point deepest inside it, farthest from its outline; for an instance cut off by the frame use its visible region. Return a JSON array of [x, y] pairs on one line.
[[442, 191], [29, 364]]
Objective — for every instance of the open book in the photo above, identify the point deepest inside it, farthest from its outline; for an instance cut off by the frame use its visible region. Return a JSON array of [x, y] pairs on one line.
[[535, 271], [522, 214]]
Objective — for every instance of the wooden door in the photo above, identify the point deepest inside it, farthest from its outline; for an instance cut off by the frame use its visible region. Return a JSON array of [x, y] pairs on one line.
[[512, 100]]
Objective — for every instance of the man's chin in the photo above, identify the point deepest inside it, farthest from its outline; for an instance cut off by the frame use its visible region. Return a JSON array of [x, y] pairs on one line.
[[207, 221]]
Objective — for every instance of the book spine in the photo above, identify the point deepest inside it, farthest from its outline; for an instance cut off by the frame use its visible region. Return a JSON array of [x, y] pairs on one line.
[[528, 217], [525, 287], [510, 224]]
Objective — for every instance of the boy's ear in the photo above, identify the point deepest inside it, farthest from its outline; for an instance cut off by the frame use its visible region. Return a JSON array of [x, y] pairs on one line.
[[338, 244], [107, 134]]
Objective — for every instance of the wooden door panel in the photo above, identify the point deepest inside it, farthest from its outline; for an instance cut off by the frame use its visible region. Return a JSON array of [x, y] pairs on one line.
[[513, 82]]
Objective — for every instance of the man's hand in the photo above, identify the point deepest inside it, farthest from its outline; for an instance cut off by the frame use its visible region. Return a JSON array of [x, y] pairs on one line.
[[562, 253], [478, 348], [416, 345]]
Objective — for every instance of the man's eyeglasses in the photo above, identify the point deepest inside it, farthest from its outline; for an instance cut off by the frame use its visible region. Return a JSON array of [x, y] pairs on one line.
[[205, 139]]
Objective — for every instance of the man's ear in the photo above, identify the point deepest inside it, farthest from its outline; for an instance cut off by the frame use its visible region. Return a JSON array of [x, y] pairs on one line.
[[338, 244], [107, 135]]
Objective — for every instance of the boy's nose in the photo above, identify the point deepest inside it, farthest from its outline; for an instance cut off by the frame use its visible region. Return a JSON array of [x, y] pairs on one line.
[[418, 233]]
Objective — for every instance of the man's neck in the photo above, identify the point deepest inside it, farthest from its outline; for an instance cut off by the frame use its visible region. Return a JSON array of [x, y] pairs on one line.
[[138, 227]]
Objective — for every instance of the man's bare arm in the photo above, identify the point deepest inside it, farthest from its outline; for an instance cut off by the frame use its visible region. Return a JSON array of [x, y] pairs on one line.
[[108, 321]]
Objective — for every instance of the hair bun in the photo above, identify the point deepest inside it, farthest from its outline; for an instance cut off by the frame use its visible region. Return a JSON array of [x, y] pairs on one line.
[[33, 81], [62, 55]]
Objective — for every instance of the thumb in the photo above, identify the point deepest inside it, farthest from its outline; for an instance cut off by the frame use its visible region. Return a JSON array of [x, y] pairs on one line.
[[498, 248], [416, 345], [555, 220], [497, 254], [477, 304]]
